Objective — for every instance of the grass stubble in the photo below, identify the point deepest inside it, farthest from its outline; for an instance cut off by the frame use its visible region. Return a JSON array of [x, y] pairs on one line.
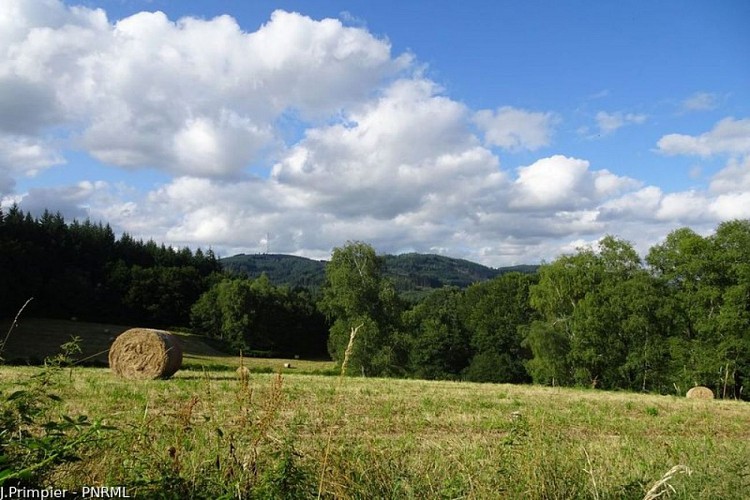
[[211, 434]]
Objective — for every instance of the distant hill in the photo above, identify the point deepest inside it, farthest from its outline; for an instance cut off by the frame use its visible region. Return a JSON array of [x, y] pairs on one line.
[[281, 269], [413, 274]]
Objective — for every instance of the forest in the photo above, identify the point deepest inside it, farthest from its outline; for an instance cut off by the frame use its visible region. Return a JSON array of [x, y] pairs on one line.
[[601, 317]]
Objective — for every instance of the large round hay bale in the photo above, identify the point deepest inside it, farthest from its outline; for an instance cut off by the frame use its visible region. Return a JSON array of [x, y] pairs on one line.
[[700, 392], [143, 353]]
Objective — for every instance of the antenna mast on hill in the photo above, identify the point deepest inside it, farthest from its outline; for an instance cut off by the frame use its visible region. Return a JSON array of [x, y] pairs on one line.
[[268, 244]]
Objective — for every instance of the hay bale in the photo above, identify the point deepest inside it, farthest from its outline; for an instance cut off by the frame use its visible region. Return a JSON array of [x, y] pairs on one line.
[[143, 353], [243, 373], [700, 392]]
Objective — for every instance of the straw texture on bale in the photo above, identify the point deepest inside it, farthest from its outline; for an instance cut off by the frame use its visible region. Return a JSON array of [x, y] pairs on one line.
[[143, 353], [700, 392]]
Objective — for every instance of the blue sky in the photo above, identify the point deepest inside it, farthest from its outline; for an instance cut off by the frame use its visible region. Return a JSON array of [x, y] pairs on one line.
[[503, 132]]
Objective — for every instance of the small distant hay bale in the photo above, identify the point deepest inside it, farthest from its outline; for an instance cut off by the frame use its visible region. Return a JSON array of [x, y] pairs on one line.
[[700, 392], [243, 373], [145, 354]]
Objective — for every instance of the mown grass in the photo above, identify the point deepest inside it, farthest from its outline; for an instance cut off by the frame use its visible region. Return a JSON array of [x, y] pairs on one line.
[[34, 339], [206, 433]]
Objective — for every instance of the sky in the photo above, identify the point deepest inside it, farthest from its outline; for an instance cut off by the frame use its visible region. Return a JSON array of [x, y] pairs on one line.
[[504, 132]]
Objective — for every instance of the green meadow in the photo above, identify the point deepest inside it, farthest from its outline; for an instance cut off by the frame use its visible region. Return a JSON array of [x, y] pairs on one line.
[[211, 433]]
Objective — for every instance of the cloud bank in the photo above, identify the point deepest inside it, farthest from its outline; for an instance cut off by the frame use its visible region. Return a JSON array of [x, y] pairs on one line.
[[311, 132]]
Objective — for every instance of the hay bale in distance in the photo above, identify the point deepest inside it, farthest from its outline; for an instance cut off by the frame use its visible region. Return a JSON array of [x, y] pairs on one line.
[[243, 372], [144, 353], [700, 392]]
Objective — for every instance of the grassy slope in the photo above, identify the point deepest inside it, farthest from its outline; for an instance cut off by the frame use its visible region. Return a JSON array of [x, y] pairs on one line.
[[388, 438], [403, 438]]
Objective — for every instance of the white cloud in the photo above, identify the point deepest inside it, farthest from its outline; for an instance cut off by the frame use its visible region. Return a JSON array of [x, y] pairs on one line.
[[395, 155], [729, 136], [686, 207], [731, 206], [197, 97], [735, 177], [609, 122], [516, 129], [378, 151], [71, 201], [700, 101], [565, 183], [23, 156], [638, 205]]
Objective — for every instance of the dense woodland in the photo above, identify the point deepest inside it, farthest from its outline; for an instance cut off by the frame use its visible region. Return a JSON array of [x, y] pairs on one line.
[[601, 317]]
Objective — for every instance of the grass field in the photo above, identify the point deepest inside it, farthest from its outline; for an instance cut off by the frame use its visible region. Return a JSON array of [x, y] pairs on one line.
[[206, 433], [35, 339]]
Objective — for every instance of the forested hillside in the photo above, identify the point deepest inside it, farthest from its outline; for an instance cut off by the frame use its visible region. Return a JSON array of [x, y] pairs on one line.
[[287, 270], [414, 275]]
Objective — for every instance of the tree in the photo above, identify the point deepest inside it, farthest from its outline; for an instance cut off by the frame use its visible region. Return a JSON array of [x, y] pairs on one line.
[[356, 293], [562, 285], [439, 341], [255, 315], [709, 278], [605, 322], [496, 312]]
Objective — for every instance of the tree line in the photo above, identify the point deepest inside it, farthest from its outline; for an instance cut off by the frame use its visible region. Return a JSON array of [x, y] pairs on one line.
[[82, 270], [601, 317]]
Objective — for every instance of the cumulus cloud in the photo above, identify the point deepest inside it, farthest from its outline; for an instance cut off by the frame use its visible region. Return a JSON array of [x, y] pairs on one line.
[[516, 129], [71, 201], [565, 183], [23, 156], [731, 206], [686, 207], [735, 177], [197, 97], [378, 152], [639, 205], [397, 154], [729, 136]]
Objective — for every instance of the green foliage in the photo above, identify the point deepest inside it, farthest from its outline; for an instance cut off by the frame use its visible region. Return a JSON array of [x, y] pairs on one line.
[[282, 270], [440, 343], [357, 293], [709, 279], [80, 269], [490, 366], [496, 313], [254, 315], [598, 317], [33, 441], [550, 345], [604, 321]]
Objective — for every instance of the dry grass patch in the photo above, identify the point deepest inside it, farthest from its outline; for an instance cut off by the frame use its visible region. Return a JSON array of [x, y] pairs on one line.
[[411, 439]]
